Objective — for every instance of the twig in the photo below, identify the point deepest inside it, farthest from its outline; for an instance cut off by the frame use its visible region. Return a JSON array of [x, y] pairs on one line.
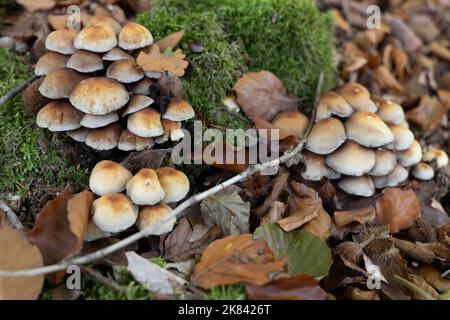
[[103, 280], [177, 212], [13, 92], [13, 219]]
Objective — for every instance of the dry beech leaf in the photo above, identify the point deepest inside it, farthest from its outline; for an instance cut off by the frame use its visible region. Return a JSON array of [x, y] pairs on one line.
[[422, 284], [279, 186], [36, 5], [18, 254], [236, 259], [275, 213], [397, 57], [444, 96], [354, 293], [301, 211], [339, 20], [386, 79], [263, 95], [433, 277], [301, 287], [410, 41], [171, 41], [440, 51], [428, 115], [263, 124], [155, 61], [416, 251], [343, 218]]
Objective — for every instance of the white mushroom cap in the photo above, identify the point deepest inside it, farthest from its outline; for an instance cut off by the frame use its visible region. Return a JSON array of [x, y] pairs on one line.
[[142, 86], [96, 38], [316, 168], [368, 129], [48, 62], [351, 159], [292, 122], [358, 97], [105, 21], [391, 112], [172, 130], [85, 61], [59, 116], [151, 215], [385, 162], [59, 83], [116, 54], [131, 142], [411, 156], [79, 135], [326, 136], [93, 232], [403, 137], [125, 71], [114, 212], [105, 138], [438, 155], [108, 177], [178, 110], [359, 186], [61, 41], [333, 103], [144, 188], [395, 177], [174, 182], [404, 124], [134, 36], [423, 171], [153, 74], [145, 123], [93, 121], [137, 102]]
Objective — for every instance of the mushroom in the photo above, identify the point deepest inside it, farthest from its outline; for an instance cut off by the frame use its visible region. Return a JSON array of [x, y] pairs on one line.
[[48, 62], [108, 177], [125, 71], [142, 86], [175, 184], [395, 177], [94, 233], [178, 110], [93, 121], [358, 97], [367, 129], [422, 171], [59, 83], [292, 122], [145, 123], [326, 136], [85, 61], [130, 142], [385, 162], [144, 188], [352, 159], [331, 103], [391, 112], [360, 186], [151, 215], [105, 21], [79, 135], [437, 155], [61, 41], [316, 168], [59, 115], [105, 138], [403, 137], [116, 54], [137, 102], [134, 36], [172, 130], [410, 156], [96, 38]]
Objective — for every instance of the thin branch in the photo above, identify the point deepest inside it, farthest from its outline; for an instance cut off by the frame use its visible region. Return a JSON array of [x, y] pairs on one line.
[[103, 280], [13, 219], [177, 212], [13, 92]]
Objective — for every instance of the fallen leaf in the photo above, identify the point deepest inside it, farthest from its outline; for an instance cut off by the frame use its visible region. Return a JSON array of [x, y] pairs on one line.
[[444, 97], [301, 287], [184, 268], [279, 186], [263, 95], [36, 5], [433, 277], [428, 115], [354, 293], [386, 79], [339, 20], [343, 218], [440, 51], [415, 250], [155, 61], [410, 41], [152, 159], [275, 213], [171, 41], [117, 258], [236, 259], [422, 284], [398, 208], [17, 253]]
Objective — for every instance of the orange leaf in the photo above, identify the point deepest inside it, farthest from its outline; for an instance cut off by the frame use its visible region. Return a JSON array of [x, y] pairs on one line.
[[428, 115], [343, 218], [156, 61], [171, 41], [35, 5]]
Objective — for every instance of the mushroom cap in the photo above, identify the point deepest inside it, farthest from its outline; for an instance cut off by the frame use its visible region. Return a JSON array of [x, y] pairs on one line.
[[410, 156], [395, 177], [60, 83], [105, 138], [326, 136], [96, 38], [172, 130], [93, 232], [333, 103], [368, 129], [422, 171], [59, 115], [178, 110], [145, 123], [134, 36], [79, 134], [404, 124], [391, 112], [316, 168], [174, 182], [144, 188], [385, 162], [137, 102], [142, 86], [48, 62], [61, 41], [85, 61], [105, 21], [153, 74], [438, 155], [116, 54], [93, 121], [358, 97], [114, 212], [292, 122], [108, 177], [403, 137], [125, 71], [351, 159], [99, 95], [151, 215], [359, 186], [130, 142]]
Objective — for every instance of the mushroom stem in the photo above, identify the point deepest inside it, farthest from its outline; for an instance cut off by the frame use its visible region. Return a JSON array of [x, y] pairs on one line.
[[15, 91]]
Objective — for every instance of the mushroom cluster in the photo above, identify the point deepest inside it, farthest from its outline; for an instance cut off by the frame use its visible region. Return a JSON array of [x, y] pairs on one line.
[[145, 203], [100, 95], [362, 144]]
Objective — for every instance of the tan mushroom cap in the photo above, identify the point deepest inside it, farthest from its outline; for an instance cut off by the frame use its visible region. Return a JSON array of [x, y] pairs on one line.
[[326, 136], [174, 182], [153, 74], [131, 142], [50, 61], [333, 103], [145, 123], [438, 155], [178, 110], [93, 121], [404, 124], [59, 116], [108, 177], [358, 186], [403, 137], [142, 86], [125, 71], [99, 96], [96, 38], [368, 129], [144, 188], [411, 156], [137, 102], [105, 138], [94, 233], [134, 36], [358, 97], [116, 54], [351, 159], [61, 41], [85, 61], [114, 213], [385, 162], [79, 135], [292, 122], [422, 171], [152, 215], [105, 21], [395, 177], [60, 83], [172, 131], [316, 168], [391, 112]]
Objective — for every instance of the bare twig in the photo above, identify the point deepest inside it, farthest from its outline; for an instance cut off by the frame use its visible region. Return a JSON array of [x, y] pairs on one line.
[[13, 219], [103, 280], [177, 212], [13, 92]]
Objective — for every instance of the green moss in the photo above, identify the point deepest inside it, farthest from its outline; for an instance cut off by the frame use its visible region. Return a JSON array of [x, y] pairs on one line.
[[226, 293], [96, 291]]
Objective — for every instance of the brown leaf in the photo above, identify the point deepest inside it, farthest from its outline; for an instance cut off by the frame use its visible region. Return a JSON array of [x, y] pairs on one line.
[[433, 277], [422, 284], [300, 287], [398, 208], [386, 79], [275, 213], [117, 258], [410, 41], [171, 41], [440, 51], [301, 211], [152, 159], [263, 95], [35, 5], [343, 218], [428, 115], [236, 259], [339, 20], [444, 97], [354, 293], [279, 185], [18, 254], [415, 251], [156, 61]]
